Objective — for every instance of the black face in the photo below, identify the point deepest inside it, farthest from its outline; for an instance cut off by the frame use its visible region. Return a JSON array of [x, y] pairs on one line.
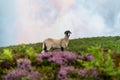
[[67, 33]]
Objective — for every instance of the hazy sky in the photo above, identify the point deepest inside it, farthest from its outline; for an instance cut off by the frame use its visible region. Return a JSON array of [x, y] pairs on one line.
[[31, 21]]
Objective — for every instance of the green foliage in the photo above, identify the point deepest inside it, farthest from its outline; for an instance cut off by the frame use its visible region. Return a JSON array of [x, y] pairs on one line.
[[6, 55], [103, 61], [21, 48], [81, 45], [31, 53], [47, 69], [23, 78], [98, 56]]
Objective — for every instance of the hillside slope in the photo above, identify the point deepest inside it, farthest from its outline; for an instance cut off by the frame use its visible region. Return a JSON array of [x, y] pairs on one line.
[[76, 45], [98, 55]]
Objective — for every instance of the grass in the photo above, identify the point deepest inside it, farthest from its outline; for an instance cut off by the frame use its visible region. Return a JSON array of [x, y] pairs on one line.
[[75, 45]]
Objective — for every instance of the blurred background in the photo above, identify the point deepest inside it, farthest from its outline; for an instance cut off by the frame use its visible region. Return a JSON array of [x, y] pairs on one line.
[[31, 21]]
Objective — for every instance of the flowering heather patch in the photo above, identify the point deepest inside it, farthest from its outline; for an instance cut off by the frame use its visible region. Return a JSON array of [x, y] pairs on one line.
[[64, 70], [24, 69], [24, 64], [81, 57], [61, 58], [64, 58], [86, 58], [41, 56], [89, 57], [93, 72], [15, 75], [85, 73]]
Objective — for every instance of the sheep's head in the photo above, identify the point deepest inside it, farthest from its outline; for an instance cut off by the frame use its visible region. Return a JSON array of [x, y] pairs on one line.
[[67, 33]]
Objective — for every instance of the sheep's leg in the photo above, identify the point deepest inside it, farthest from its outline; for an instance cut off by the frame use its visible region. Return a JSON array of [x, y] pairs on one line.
[[45, 48], [62, 49]]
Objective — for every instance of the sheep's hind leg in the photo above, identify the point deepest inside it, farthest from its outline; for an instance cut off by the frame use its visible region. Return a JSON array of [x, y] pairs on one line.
[[45, 49], [62, 49]]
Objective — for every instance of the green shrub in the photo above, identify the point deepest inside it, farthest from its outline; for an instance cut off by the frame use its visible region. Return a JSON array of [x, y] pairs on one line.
[[7, 55], [22, 48], [31, 53], [103, 61]]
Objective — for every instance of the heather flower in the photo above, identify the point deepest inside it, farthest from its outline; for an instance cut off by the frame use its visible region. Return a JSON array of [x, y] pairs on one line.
[[81, 57], [83, 72], [93, 72], [69, 56], [89, 57], [64, 70], [24, 69], [15, 75], [61, 58], [34, 75], [24, 64], [58, 60], [41, 56]]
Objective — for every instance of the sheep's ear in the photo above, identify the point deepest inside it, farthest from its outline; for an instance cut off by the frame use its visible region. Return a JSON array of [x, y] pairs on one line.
[[65, 32]]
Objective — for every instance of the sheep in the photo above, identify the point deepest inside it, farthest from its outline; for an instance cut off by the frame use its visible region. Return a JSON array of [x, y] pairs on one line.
[[56, 43]]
